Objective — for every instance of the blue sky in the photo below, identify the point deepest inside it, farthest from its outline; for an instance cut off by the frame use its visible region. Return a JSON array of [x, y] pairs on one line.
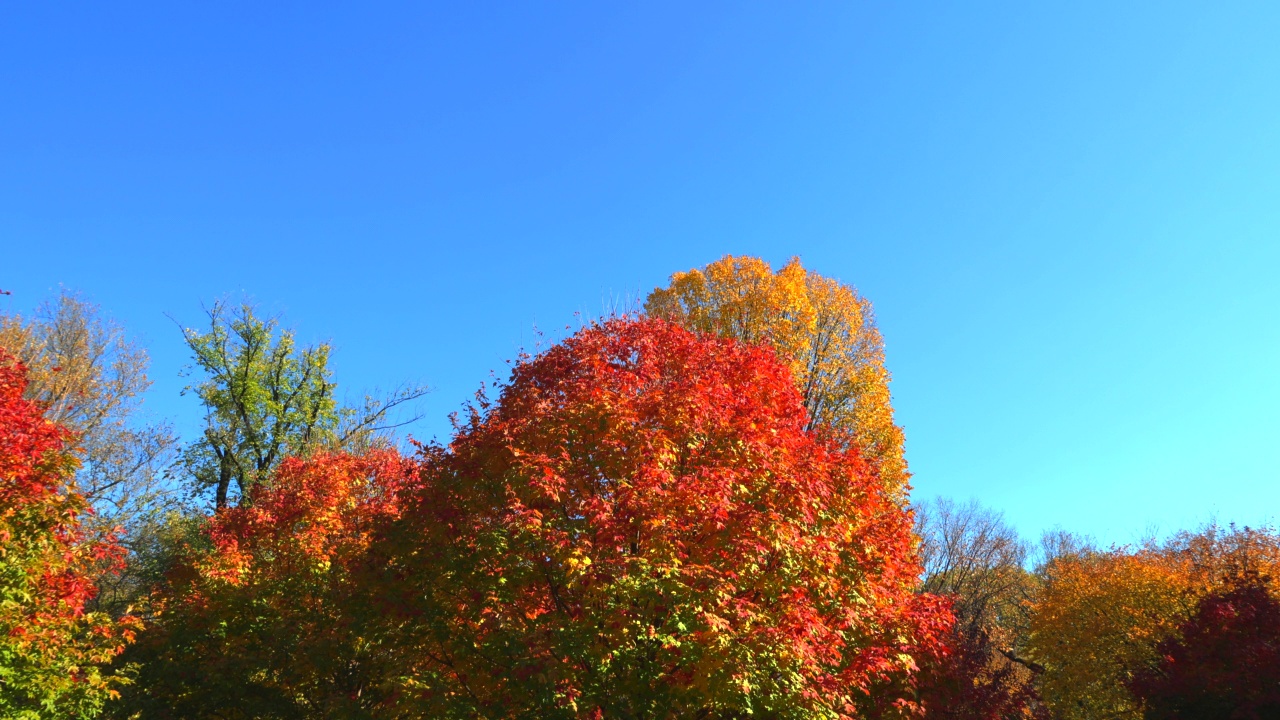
[[1065, 215]]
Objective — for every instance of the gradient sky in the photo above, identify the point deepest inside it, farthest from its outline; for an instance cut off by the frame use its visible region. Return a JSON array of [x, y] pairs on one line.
[[1066, 216]]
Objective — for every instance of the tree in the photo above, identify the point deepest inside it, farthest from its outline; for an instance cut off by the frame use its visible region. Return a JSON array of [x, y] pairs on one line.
[[1097, 619], [89, 377], [1224, 662], [1100, 617], [51, 650], [821, 329], [639, 527], [266, 399], [642, 527], [972, 556], [975, 680], [265, 620], [1217, 556]]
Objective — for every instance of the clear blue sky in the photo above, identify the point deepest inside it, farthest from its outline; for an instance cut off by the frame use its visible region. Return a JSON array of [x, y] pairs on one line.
[[1066, 216]]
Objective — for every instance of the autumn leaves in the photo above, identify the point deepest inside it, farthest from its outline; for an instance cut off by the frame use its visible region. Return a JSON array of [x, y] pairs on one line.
[[638, 526], [51, 649], [1128, 631], [822, 330], [698, 512]]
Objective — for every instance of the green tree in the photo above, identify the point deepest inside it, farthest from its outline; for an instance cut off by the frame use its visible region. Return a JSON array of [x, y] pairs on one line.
[[266, 399]]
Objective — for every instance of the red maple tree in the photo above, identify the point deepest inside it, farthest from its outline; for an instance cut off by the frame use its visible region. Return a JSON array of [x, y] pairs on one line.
[[53, 650], [640, 526]]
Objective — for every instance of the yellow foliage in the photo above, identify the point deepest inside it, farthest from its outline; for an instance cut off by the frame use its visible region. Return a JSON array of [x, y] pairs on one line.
[[1099, 617], [820, 327]]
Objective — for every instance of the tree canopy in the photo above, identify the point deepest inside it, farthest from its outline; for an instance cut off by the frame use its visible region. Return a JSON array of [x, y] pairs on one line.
[[267, 399], [701, 511], [972, 556], [1103, 618], [52, 652], [822, 329], [639, 526], [1224, 661], [268, 614], [89, 376]]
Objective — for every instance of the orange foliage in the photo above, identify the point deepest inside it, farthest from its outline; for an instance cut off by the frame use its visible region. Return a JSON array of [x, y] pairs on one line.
[[822, 330], [641, 526], [268, 616], [1100, 617]]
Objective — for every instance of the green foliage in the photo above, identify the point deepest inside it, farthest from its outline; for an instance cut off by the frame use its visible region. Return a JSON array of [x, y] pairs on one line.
[[267, 399]]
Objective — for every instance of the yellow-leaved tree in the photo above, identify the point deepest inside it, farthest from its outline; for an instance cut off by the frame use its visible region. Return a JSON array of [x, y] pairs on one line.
[[1098, 617], [822, 328]]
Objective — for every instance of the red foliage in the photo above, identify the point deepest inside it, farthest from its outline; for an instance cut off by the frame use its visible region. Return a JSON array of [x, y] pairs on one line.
[[51, 646], [1226, 663], [315, 511], [975, 681], [37, 506], [271, 612], [32, 457], [641, 526]]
